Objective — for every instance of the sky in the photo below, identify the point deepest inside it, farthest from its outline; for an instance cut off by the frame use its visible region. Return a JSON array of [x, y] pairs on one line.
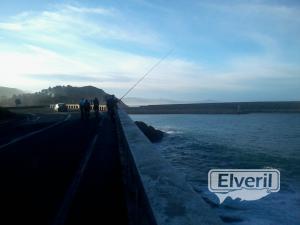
[[221, 50]]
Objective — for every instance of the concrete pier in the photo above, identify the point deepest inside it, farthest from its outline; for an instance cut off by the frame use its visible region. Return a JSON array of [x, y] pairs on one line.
[[60, 170], [156, 193]]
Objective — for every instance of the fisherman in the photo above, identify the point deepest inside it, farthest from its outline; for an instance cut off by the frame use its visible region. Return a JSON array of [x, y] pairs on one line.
[[111, 104], [81, 107], [96, 107], [87, 108]]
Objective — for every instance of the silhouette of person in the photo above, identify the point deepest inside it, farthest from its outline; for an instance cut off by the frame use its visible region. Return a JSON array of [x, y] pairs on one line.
[[111, 104], [96, 106], [81, 107], [87, 108]]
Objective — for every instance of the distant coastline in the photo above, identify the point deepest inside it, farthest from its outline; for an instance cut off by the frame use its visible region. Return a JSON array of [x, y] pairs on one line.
[[219, 108]]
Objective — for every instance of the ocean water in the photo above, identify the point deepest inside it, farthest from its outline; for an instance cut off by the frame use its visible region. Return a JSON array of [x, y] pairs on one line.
[[194, 144]]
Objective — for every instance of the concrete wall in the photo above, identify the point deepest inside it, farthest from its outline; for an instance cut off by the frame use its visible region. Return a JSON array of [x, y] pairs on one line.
[[156, 193]]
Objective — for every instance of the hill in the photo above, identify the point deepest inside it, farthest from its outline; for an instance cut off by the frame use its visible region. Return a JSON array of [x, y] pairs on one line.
[[66, 94], [6, 92], [137, 101]]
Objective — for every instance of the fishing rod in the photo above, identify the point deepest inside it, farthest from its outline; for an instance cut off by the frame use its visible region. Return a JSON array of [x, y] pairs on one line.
[[149, 71]]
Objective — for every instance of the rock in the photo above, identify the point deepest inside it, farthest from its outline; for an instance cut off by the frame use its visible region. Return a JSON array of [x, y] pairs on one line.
[[150, 132]]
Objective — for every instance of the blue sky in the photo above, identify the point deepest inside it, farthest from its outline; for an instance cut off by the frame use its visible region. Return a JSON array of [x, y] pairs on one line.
[[223, 50]]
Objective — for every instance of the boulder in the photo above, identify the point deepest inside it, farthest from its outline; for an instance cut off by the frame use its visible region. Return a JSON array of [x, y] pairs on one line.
[[150, 132]]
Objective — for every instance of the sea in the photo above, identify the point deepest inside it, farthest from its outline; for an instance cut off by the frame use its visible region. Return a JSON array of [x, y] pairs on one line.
[[194, 144]]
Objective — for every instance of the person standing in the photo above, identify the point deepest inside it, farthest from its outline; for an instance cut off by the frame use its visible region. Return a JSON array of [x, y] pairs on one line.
[[111, 104], [81, 107], [87, 108], [96, 107]]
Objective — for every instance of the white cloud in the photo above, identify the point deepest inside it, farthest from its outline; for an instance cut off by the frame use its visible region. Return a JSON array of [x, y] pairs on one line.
[[97, 10], [272, 10], [74, 21], [117, 71]]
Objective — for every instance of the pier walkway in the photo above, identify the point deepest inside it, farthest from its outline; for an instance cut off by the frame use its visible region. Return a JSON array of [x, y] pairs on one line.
[[68, 174]]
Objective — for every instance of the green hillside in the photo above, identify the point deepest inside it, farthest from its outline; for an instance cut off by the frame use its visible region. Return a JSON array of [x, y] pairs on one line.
[[66, 94]]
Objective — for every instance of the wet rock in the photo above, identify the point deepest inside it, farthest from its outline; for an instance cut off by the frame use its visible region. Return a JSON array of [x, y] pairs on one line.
[[231, 219], [150, 132]]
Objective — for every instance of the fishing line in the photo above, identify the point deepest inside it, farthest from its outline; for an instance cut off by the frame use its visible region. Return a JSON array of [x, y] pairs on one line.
[[149, 71]]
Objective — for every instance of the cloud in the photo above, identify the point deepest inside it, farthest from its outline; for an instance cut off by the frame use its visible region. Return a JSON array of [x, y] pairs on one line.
[[68, 22], [86, 78], [257, 8], [64, 77], [117, 71], [269, 24], [96, 10]]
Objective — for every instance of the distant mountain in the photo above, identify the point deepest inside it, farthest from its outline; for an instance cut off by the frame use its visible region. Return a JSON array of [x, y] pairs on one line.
[[134, 101], [6, 92], [66, 94]]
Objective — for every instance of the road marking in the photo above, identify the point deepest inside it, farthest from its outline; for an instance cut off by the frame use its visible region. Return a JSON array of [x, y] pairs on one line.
[[30, 114], [36, 119], [32, 133], [3, 124], [67, 201]]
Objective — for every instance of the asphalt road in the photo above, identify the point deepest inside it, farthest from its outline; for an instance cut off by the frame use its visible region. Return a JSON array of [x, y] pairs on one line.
[[26, 123], [57, 169]]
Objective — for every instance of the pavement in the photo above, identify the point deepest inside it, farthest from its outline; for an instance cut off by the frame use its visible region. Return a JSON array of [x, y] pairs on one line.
[[56, 169]]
